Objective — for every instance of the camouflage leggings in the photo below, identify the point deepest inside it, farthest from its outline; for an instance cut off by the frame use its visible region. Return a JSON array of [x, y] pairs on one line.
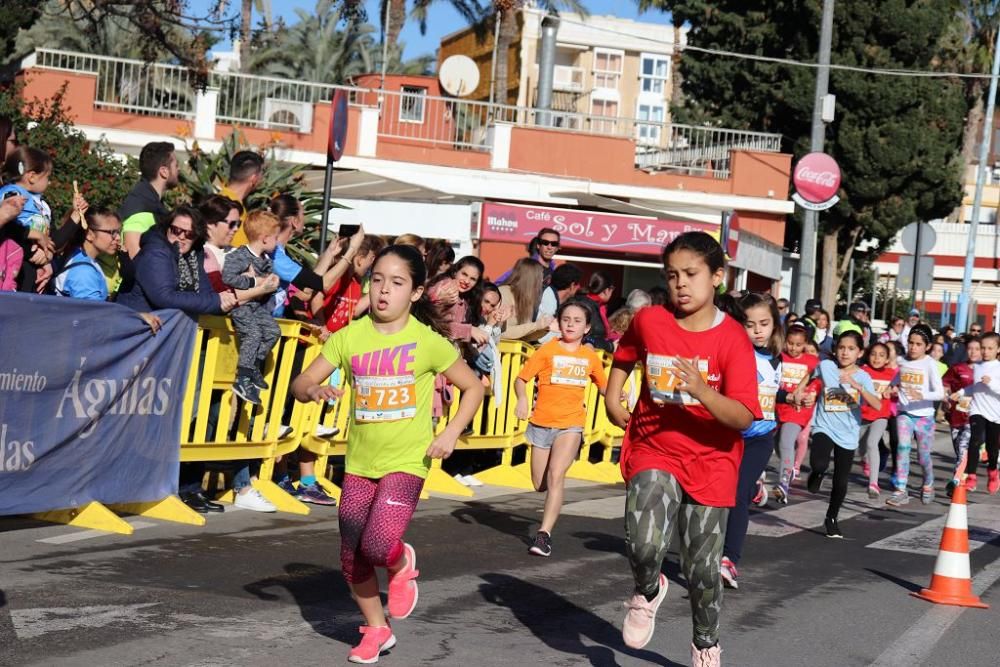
[[655, 501]]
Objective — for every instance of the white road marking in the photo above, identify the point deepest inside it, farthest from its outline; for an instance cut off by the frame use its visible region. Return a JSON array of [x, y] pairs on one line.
[[598, 508], [90, 534], [917, 643], [798, 517], [31, 623], [984, 527]]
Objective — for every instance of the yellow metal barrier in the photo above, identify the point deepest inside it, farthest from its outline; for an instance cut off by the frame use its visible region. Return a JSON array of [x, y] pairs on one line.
[[218, 427], [494, 427]]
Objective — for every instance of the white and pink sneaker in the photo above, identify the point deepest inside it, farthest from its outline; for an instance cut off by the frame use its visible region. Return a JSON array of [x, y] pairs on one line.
[[640, 616]]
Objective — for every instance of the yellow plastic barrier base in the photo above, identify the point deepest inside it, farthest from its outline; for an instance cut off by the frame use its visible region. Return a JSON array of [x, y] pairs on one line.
[[281, 500], [517, 477], [589, 472], [93, 515], [170, 508], [612, 470], [438, 481]]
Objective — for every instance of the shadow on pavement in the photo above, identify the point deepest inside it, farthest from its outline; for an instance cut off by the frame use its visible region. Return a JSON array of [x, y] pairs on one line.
[[615, 544], [322, 596], [561, 624], [903, 583], [484, 514]]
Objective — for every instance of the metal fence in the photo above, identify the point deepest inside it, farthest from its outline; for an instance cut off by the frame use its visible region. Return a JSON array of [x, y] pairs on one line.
[[410, 114], [129, 85]]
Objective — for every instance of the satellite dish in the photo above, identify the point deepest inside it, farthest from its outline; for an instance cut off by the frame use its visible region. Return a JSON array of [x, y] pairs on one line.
[[459, 75]]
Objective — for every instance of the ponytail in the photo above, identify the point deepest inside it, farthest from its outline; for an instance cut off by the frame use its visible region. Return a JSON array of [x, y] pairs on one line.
[[427, 313]]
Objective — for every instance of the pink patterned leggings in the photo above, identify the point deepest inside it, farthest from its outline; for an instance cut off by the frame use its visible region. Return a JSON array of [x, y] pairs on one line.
[[374, 514]]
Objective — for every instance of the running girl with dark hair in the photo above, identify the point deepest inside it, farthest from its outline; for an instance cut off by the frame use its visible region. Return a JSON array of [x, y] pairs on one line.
[[682, 446], [391, 357]]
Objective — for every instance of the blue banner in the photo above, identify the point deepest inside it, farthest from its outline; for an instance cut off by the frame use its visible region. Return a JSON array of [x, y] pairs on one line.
[[90, 403]]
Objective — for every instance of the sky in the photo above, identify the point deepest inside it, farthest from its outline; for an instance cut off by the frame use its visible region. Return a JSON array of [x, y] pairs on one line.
[[443, 19]]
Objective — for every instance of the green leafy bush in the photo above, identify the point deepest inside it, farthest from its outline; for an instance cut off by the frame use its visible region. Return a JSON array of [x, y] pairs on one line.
[[204, 173], [103, 176]]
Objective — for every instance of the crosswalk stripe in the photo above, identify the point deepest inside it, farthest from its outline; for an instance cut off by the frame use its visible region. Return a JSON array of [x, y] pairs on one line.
[[798, 517], [984, 527], [598, 508]]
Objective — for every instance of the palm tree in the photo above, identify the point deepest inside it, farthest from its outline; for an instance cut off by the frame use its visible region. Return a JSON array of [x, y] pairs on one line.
[[507, 11], [315, 49], [470, 10], [968, 48], [246, 18]]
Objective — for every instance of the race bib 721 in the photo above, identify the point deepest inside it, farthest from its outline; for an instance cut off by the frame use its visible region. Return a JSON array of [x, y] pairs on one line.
[[664, 386]]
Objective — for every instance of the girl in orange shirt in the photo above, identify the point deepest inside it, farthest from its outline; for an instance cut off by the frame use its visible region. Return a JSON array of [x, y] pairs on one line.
[[555, 430]]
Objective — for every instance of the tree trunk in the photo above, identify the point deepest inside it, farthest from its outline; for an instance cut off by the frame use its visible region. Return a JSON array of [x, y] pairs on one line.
[[973, 124], [246, 14], [835, 266], [830, 280], [676, 75], [971, 137], [397, 16], [506, 36]]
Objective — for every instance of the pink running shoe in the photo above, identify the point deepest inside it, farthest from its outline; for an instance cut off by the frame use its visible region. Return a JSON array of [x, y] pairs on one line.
[[373, 642], [971, 483], [993, 485], [865, 468], [706, 657], [640, 618], [403, 586]]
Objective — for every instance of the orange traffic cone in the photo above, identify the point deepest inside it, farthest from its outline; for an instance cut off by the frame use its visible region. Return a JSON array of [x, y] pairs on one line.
[[951, 582]]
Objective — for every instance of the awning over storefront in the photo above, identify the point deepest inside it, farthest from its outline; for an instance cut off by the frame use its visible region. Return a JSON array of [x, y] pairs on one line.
[[759, 256], [357, 184], [392, 218], [587, 230]]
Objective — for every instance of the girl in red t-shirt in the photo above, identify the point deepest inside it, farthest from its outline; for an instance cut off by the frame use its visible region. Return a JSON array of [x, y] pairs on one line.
[[957, 378], [682, 446], [874, 422], [795, 365]]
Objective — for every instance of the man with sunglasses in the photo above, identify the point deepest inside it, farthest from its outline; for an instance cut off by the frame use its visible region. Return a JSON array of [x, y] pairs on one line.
[[143, 206], [542, 249]]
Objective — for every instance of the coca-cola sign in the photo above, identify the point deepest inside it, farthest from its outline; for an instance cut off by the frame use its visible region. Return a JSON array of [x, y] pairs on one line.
[[817, 178]]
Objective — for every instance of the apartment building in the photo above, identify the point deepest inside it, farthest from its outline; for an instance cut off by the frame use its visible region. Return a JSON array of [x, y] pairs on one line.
[[485, 176], [612, 75], [949, 252]]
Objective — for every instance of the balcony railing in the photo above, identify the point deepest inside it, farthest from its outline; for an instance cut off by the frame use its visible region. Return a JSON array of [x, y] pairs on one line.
[[156, 89]]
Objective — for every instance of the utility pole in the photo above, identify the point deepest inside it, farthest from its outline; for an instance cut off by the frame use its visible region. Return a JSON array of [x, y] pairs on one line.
[[962, 313], [807, 246]]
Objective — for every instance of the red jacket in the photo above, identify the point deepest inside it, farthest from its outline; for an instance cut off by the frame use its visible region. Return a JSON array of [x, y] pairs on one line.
[[958, 377]]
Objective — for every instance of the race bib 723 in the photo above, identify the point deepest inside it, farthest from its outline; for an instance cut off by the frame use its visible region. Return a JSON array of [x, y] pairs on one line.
[[384, 398]]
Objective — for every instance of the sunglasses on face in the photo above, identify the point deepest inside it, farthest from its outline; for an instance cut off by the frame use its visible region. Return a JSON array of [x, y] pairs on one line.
[[182, 233], [233, 224], [113, 233], [550, 244]]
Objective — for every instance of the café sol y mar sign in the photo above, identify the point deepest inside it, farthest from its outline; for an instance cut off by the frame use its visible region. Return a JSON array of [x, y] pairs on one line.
[[584, 229], [816, 180]]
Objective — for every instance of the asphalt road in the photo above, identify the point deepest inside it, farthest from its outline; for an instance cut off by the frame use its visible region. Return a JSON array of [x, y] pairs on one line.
[[254, 589]]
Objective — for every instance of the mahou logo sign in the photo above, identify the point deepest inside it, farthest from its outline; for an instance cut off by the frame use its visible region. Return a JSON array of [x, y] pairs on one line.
[[817, 179]]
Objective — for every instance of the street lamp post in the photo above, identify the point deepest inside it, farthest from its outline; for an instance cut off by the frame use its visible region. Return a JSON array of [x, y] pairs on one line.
[[962, 313], [807, 246]]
